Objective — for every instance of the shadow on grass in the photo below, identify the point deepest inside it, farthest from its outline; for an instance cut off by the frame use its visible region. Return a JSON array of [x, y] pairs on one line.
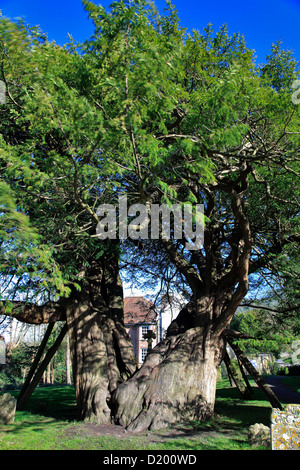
[[57, 402], [49, 407], [243, 413], [227, 429]]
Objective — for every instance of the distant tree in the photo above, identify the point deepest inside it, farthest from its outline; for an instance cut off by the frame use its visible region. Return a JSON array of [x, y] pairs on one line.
[[18, 362], [270, 336]]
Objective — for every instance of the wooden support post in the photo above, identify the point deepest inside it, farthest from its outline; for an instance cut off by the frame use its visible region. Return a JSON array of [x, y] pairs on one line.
[[36, 360], [226, 360], [35, 380], [255, 375], [235, 376], [245, 377]]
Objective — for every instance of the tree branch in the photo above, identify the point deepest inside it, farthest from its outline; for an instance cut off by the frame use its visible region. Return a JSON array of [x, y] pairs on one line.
[[241, 265], [191, 275], [32, 313], [274, 310]]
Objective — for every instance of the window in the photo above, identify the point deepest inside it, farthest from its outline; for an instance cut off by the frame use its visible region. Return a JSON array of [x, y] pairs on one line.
[[145, 330], [143, 353]]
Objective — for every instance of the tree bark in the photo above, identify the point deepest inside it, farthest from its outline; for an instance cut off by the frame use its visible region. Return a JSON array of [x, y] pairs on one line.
[[31, 313], [235, 376], [101, 350], [177, 381]]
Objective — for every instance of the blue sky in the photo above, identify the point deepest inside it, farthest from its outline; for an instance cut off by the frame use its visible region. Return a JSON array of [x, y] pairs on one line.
[[262, 22]]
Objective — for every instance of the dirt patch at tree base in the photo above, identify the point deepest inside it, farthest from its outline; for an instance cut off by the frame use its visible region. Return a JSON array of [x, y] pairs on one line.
[[111, 430], [94, 430]]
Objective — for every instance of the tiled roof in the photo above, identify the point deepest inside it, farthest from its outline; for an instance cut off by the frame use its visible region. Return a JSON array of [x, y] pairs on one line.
[[138, 310]]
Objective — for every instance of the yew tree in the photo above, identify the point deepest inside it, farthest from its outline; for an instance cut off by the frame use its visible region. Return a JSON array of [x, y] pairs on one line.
[[145, 110]]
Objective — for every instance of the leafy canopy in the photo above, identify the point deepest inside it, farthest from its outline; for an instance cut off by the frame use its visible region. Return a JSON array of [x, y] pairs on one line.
[[141, 108]]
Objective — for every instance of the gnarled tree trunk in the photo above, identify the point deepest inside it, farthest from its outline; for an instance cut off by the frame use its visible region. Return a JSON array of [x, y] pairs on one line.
[[177, 381], [101, 350]]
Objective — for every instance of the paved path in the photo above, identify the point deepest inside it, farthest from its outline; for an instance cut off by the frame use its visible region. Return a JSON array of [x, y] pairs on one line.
[[283, 392]]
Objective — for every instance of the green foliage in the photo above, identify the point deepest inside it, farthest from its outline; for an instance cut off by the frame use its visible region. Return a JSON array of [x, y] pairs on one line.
[[68, 131], [20, 359], [281, 68], [140, 107], [272, 335]]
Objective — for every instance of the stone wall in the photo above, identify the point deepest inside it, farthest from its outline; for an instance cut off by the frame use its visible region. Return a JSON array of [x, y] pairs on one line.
[[263, 363], [285, 428]]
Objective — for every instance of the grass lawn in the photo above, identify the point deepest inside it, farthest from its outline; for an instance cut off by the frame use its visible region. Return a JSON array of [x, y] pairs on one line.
[[53, 426]]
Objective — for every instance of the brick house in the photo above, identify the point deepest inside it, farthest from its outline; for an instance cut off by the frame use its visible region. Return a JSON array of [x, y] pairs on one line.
[[139, 318]]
